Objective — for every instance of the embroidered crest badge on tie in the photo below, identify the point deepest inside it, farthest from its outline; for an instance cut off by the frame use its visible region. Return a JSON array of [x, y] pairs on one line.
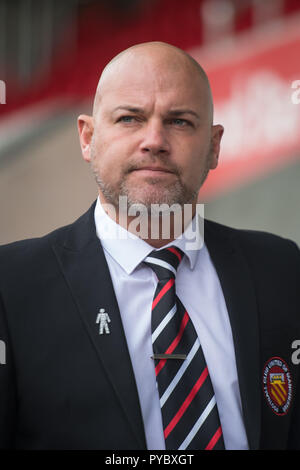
[[103, 320]]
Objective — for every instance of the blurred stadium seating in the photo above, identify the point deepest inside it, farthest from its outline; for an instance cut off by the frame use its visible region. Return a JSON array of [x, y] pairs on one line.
[[51, 56]]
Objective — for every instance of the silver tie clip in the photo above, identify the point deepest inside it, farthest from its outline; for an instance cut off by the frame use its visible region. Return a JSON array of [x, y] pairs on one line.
[[169, 356]]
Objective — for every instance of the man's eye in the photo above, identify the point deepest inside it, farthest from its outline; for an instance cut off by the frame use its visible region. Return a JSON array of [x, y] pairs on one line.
[[179, 122], [126, 119]]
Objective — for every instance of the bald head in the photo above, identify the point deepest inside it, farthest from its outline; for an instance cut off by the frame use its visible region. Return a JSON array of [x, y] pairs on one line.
[[151, 137], [157, 56]]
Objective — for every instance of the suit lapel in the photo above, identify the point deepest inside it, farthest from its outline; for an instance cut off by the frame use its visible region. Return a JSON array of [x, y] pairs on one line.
[[84, 266], [240, 300]]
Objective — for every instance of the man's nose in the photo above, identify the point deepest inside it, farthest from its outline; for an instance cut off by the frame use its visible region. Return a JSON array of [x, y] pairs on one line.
[[155, 139]]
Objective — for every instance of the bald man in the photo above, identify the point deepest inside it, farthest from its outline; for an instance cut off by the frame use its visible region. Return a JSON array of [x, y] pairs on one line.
[[121, 333]]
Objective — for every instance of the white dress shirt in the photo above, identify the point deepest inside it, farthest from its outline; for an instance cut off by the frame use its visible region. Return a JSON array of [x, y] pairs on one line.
[[198, 287]]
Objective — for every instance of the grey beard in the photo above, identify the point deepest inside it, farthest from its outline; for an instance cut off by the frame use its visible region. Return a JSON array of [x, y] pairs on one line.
[[178, 193]]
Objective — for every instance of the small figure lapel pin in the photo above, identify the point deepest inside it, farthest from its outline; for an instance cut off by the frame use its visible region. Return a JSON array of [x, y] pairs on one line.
[[103, 320]]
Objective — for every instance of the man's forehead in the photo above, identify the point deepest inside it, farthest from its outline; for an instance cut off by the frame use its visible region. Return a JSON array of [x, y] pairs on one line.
[[152, 67], [146, 100]]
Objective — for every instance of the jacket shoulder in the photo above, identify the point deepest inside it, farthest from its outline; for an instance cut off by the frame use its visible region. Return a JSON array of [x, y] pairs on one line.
[[33, 247], [268, 256], [26, 261], [258, 240], [22, 249]]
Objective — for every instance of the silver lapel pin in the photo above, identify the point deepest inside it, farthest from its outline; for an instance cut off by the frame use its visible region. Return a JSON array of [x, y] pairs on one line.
[[103, 320]]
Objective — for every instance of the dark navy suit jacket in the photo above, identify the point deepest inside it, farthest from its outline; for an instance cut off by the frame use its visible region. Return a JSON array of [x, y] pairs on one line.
[[64, 386]]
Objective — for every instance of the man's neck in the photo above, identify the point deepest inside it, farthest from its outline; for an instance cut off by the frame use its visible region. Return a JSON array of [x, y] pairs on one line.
[[157, 228]]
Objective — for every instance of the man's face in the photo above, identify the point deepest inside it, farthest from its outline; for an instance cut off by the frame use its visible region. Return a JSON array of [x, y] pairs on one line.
[[152, 137]]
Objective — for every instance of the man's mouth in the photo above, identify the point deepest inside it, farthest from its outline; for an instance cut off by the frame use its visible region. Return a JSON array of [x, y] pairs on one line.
[[153, 170]]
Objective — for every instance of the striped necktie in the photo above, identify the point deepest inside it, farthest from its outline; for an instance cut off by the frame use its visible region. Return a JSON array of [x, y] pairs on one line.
[[188, 405]]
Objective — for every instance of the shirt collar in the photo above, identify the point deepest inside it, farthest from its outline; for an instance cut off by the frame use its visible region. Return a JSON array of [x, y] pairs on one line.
[[129, 251]]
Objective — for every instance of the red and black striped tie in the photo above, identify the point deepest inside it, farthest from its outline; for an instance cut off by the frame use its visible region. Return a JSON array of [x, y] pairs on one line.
[[188, 405]]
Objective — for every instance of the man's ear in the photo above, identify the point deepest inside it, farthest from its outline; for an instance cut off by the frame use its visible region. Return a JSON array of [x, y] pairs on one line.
[[216, 136], [85, 125]]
